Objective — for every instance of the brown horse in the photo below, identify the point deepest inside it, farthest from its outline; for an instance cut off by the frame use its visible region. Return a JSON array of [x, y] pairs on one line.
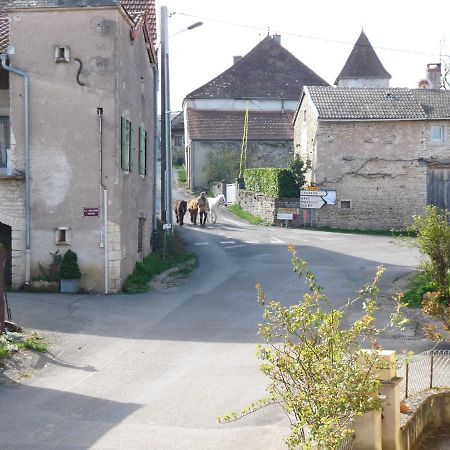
[[180, 209], [192, 206]]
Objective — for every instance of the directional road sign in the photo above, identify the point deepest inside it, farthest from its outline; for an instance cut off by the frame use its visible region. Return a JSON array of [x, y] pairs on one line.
[[315, 199], [313, 202]]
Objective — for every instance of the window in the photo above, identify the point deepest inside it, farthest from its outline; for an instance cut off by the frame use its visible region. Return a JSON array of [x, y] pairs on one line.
[[126, 144], [62, 236], [4, 140], [62, 54], [345, 204], [143, 148], [437, 133], [178, 141]]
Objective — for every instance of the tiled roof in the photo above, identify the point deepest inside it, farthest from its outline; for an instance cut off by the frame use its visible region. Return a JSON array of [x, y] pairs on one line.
[[140, 11], [344, 103], [178, 122], [229, 125], [4, 29], [268, 71], [363, 62]]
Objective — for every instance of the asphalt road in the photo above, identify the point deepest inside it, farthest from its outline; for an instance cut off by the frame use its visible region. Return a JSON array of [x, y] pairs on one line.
[[152, 371]]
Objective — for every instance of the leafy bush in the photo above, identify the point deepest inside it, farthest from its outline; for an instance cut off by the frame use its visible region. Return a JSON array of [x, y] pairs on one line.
[[433, 240], [69, 266], [319, 373], [273, 182]]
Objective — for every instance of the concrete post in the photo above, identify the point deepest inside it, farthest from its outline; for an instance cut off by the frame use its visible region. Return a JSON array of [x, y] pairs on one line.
[[390, 422], [380, 430]]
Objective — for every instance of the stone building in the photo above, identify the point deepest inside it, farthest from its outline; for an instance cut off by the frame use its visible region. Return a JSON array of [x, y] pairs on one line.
[[177, 138], [268, 81], [79, 141], [386, 152]]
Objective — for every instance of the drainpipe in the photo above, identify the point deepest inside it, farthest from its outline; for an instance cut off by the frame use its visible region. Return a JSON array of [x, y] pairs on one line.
[[25, 77], [155, 141], [104, 194]]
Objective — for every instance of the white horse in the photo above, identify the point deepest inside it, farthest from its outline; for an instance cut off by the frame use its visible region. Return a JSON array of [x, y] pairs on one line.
[[214, 203]]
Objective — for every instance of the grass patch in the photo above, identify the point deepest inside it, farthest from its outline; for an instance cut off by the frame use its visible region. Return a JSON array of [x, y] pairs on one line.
[[238, 211], [417, 286], [181, 171], [157, 263], [14, 342]]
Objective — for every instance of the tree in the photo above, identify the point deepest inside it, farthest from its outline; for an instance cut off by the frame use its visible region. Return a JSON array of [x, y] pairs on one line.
[[433, 241], [320, 376], [222, 165], [69, 266], [299, 168]]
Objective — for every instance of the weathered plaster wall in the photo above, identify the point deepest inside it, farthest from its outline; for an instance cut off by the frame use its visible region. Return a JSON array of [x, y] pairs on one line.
[[4, 102], [64, 133], [259, 154]]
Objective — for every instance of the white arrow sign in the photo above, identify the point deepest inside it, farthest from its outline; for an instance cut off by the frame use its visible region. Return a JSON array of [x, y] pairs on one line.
[[311, 202], [313, 193]]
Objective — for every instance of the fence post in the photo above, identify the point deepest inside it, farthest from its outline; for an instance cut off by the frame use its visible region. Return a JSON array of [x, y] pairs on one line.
[[431, 369], [406, 380]]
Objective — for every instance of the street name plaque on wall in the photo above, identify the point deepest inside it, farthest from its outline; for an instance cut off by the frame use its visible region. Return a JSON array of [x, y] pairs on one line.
[[91, 212]]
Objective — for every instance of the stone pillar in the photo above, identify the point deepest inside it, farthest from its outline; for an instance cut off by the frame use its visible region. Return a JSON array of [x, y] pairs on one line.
[[380, 430], [368, 432]]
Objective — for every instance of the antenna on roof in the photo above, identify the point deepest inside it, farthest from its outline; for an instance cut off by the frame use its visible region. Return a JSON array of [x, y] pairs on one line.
[[268, 31]]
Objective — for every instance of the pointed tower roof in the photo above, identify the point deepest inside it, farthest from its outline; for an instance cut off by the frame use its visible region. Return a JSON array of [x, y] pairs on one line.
[[363, 62], [268, 71]]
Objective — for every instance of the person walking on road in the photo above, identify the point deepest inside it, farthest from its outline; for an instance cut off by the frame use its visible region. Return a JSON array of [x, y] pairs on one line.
[[203, 208]]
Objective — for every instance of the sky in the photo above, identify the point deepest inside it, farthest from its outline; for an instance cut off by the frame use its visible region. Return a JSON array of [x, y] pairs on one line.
[[405, 35]]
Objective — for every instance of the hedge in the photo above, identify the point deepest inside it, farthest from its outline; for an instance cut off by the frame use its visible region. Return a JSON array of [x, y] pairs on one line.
[[277, 183]]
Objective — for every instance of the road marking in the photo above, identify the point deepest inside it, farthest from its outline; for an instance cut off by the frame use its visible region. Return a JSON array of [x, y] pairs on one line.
[[230, 228], [251, 242], [227, 242], [276, 241], [235, 246], [202, 243]]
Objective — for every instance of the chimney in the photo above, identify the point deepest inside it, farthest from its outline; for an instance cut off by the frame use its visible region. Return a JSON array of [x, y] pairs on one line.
[[236, 59], [434, 75], [277, 38]]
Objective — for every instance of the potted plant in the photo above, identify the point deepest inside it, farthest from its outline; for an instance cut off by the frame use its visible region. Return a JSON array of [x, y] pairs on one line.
[[70, 273]]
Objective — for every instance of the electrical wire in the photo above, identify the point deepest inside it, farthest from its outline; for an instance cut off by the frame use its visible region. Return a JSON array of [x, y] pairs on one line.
[[304, 36]]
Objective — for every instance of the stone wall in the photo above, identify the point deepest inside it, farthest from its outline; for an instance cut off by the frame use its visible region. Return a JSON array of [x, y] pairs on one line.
[[259, 154], [378, 169], [434, 411]]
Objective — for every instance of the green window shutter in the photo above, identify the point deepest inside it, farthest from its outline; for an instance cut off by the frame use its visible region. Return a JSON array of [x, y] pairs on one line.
[[145, 152], [141, 151], [123, 143], [131, 148]]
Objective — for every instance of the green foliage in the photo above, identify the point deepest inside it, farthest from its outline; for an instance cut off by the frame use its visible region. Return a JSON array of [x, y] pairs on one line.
[[319, 374], [69, 266], [254, 220], [273, 182], [299, 168], [181, 171], [433, 240], [417, 286], [52, 272], [158, 262], [13, 342], [222, 165]]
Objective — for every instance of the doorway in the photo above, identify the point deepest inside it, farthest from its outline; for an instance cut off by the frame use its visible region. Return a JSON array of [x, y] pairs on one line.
[[5, 239]]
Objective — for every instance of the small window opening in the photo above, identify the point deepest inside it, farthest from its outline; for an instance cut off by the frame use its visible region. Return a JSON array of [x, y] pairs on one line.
[[62, 54], [62, 236], [346, 204], [437, 133]]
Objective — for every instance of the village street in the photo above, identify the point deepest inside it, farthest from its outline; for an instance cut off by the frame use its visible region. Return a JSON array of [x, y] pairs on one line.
[[152, 371]]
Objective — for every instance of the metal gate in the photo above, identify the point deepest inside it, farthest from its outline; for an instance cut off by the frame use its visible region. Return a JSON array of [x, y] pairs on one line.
[[231, 193], [438, 186]]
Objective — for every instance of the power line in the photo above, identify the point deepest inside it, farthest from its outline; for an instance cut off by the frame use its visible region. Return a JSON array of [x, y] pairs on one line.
[[304, 36]]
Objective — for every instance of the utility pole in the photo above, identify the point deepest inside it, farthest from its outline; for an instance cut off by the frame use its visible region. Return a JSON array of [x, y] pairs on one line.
[[164, 108]]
